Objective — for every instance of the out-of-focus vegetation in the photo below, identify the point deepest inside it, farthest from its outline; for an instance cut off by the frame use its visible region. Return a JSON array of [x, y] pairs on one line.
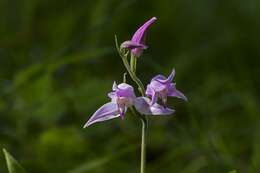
[[58, 61]]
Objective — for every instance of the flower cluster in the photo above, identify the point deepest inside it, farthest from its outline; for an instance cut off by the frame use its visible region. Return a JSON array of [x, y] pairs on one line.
[[122, 96]]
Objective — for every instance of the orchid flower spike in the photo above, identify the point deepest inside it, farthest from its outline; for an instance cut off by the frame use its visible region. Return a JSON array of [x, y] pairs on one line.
[[122, 96], [162, 87], [137, 43]]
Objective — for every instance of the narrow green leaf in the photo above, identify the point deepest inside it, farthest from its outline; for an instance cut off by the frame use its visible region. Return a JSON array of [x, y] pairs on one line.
[[12, 165], [124, 77], [117, 46]]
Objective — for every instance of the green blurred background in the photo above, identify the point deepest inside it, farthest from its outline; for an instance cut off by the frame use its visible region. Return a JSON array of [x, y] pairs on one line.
[[58, 61]]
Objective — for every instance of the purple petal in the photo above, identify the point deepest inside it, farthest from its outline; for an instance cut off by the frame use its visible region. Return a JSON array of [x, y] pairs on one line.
[[114, 87], [113, 96], [159, 77], [125, 90], [173, 92], [171, 76], [125, 86], [164, 80], [157, 86], [133, 45], [151, 93], [154, 98], [143, 105], [105, 112], [157, 109], [138, 36]]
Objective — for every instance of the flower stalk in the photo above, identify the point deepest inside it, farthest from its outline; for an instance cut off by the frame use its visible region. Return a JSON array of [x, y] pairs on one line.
[[143, 143], [133, 62], [144, 122]]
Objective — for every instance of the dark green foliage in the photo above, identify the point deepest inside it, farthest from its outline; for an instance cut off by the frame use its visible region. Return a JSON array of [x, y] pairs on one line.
[[58, 61]]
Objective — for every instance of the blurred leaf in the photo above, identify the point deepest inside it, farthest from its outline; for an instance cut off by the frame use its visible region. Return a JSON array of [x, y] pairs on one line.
[[25, 75], [255, 160], [12, 164], [89, 166], [234, 171], [96, 163], [31, 73], [78, 57], [195, 165], [57, 146]]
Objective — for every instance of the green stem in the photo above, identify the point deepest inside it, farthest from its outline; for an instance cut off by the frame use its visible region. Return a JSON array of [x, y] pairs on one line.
[[143, 144], [133, 76], [144, 122], [133, 63], [124, 77]]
